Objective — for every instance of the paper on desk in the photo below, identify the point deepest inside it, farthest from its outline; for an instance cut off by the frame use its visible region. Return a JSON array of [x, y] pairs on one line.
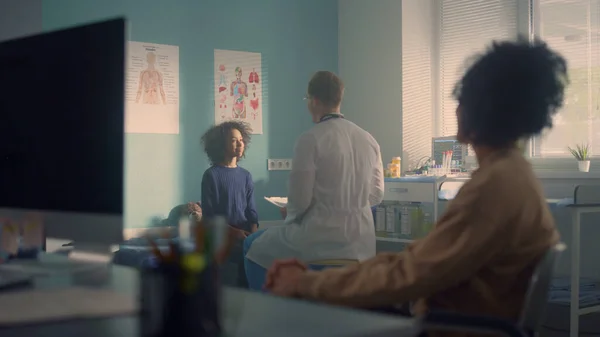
[[36, 306], [280, 202]]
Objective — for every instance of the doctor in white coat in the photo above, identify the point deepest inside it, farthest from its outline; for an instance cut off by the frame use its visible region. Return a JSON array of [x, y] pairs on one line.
[[336, 177]]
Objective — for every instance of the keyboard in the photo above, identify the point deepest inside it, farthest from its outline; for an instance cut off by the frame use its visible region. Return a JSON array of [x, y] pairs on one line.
[[12, 278]]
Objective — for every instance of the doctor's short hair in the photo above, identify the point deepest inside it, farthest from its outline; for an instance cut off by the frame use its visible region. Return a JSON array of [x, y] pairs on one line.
[[215, 140], [511, 92], [327, 88]]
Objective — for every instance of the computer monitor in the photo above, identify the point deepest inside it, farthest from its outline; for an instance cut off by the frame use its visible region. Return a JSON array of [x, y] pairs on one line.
[[62, 131], [439, 145]]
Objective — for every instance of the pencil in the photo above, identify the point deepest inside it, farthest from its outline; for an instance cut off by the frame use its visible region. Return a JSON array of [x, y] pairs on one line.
[[225, 250], [200, 237]]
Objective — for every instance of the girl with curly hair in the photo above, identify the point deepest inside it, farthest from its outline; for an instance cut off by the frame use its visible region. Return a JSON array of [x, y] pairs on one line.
[[228, 189]]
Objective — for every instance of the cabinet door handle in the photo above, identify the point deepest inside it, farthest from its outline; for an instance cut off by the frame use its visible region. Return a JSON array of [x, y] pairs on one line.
[[398, 190]]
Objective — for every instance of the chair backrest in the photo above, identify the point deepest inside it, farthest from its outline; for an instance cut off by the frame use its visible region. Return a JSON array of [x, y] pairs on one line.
[[534, 308]]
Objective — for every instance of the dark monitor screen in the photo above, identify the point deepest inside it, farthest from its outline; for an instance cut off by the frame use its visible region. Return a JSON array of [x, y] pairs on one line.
[[62, 120]]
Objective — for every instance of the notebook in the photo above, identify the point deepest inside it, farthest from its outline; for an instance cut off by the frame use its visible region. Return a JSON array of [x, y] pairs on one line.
[[280, 202]]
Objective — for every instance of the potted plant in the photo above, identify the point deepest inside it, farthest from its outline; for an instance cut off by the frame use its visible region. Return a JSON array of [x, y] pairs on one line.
[[582, 154]]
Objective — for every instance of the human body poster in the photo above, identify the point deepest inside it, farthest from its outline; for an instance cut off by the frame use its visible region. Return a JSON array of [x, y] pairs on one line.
[[152, 88], [238, 88]]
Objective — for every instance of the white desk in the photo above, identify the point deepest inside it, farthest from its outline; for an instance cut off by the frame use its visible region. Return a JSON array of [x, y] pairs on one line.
[[586, 200], [245, 314], [575, 310]]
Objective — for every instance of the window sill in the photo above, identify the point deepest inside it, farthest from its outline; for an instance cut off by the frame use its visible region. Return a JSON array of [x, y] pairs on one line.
[[563, 168], [556, 174]]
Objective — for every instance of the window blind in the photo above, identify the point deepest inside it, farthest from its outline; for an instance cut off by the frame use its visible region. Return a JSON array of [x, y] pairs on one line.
[[417, 87], [571, 27], [466, 27]]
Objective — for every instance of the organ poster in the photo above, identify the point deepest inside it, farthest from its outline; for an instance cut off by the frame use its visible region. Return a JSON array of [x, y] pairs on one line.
[[152, 88], [238, 88]]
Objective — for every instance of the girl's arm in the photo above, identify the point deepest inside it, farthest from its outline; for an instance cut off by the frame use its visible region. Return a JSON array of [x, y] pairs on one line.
[[251, 213], [209, 194]]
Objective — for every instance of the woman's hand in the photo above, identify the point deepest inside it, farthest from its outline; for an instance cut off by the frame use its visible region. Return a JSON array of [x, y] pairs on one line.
[[280, 265], [283, 211], [283, 279]]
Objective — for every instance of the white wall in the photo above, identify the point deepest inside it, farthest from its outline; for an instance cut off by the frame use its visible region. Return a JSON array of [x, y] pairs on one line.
[[20, 18], [370, 54]]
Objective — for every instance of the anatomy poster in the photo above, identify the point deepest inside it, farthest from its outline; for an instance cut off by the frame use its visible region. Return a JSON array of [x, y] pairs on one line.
[[152, 88], [238, 88]]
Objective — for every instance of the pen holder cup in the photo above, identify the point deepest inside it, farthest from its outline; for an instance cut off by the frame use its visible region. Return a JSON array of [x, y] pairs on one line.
[[175, 304]]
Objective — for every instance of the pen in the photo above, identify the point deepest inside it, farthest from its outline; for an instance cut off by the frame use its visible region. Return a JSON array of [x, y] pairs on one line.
[[200, 237], [194, 263], [225, 250]]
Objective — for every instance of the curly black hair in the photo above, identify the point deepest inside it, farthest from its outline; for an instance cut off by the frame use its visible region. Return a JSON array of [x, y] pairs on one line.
[[511, 92], [215, 139]]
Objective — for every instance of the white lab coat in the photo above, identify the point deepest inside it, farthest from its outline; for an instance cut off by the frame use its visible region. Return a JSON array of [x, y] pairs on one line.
[[336, 177]]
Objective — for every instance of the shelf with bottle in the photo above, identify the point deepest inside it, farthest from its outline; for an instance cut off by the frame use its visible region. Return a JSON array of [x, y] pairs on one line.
[[397, 221]]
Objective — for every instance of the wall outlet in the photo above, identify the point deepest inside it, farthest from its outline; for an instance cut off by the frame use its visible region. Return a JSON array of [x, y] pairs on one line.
[[279, 164]]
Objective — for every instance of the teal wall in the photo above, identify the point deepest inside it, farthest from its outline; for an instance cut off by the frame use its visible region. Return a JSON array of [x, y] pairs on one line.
[[295, 37]]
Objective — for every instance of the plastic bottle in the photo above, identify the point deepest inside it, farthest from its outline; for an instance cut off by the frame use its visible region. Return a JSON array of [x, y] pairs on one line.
[[406, 231], [396, 167], [380, 219], [427, 223], [394, 170], [390, 219], [416, 221]]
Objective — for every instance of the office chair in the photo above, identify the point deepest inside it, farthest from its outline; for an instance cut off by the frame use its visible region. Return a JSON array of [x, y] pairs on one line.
[[531, 318]]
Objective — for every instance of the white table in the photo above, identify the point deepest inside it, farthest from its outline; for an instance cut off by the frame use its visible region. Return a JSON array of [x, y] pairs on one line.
[[253, 314], [586, 200], [245, 313], [575, 311]]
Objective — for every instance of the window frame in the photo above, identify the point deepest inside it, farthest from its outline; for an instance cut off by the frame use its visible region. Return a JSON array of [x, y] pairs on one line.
[[527, 25], [566, 165], [523, 28]]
